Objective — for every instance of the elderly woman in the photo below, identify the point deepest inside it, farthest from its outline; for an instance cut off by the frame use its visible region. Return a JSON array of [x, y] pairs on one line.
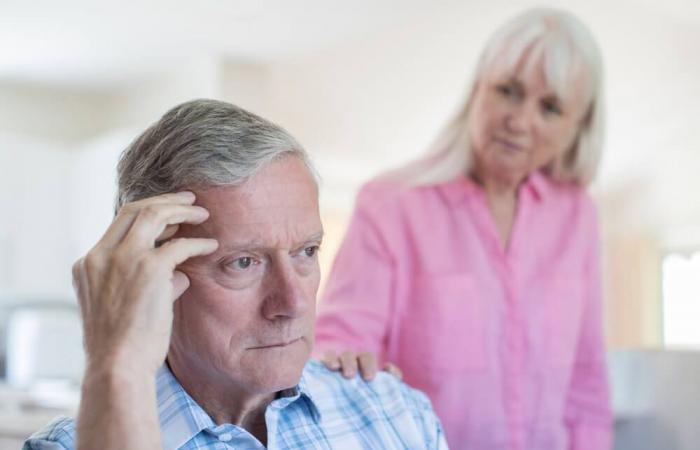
[[476, 270]]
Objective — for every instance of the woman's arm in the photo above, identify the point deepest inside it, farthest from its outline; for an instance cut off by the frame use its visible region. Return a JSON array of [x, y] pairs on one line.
[[588, 414], [355, 309]]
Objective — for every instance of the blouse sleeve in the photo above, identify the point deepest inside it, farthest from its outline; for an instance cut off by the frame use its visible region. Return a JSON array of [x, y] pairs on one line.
[[588, 414], [355, 308]]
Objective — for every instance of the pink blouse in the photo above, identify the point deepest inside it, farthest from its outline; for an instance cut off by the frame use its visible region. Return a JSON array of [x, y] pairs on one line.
[[507, 343]]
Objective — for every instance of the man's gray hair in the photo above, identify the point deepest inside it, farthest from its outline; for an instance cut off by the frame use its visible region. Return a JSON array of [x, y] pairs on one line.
[[201, 143]]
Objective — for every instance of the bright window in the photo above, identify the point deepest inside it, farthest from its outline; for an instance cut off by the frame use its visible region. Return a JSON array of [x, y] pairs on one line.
[[681, 300]]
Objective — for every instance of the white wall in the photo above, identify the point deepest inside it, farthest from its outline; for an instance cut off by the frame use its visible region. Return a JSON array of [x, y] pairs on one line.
[[364, 106], [58, 165], [34, 221], [379, 102]]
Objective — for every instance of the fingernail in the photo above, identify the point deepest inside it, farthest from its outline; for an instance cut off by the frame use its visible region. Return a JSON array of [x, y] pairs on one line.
[[186, 194]]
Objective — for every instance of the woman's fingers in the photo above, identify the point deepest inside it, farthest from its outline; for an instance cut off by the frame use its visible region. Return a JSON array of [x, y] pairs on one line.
[[330, 360], [394, 370], [367, 363], [348, 362]]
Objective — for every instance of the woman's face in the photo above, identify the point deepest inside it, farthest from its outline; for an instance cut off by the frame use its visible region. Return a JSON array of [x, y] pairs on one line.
[[518, 124]]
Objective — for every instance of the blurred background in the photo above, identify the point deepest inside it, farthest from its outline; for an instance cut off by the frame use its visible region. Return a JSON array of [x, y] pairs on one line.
[[365, 86]]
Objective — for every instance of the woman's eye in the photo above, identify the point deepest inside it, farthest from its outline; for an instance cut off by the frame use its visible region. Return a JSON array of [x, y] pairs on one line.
[[242, 263], [551, 108], [508, 90]]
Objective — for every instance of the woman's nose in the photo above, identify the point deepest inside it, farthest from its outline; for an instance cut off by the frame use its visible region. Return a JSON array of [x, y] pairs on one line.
[[520, 117]]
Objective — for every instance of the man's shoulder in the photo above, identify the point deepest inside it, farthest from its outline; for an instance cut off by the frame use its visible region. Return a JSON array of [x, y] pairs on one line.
[[57, 435], [384, 393], [384, 410]]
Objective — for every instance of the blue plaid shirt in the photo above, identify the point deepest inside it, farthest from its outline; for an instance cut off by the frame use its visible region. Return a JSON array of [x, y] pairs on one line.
[[324, 411]]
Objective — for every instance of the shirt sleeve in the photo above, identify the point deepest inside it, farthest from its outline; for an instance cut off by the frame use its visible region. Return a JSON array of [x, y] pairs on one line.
[[43, 444], [355, 309], [588, 413], [58, 435]]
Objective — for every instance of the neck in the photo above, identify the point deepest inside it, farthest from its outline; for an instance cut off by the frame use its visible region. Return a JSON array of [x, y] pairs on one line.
[[224, 400], [498, 189], [502, 199]]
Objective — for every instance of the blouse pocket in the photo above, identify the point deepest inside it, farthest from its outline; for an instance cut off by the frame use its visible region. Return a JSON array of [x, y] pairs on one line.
[[563, 307], [442, 327]]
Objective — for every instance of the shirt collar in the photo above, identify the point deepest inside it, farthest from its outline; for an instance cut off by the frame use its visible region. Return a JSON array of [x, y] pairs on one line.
[[181, 418], [538, 184], [305, 390], [458, 189]]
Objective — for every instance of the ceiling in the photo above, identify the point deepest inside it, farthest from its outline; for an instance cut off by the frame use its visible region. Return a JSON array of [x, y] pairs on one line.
[[103, 43], [107, 42]]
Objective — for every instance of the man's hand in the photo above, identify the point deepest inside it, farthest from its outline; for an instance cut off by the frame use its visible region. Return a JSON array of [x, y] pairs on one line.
[[127, 283], [126, 286], [349, 362]]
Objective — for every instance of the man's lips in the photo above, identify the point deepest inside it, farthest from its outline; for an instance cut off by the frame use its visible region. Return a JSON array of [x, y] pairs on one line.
[[279, 344]]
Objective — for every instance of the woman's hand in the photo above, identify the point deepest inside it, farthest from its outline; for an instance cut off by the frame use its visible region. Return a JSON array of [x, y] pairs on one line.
[[348, 363]]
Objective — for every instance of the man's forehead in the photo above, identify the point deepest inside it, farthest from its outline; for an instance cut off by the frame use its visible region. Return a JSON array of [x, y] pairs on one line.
[[277, 206]]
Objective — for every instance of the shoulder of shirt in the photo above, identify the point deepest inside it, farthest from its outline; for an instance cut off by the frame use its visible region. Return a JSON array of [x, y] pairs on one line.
[[385, 390], [382, 196], [61, 431], [563, 189], [568, 193]]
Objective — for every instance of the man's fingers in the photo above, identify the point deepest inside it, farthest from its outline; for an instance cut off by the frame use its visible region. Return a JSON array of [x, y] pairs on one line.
[[177, 251], [330, 359], [348, 363], [153, 219], [128, 213], [169, 232], [368, 365], [180, 284], [394, 370]]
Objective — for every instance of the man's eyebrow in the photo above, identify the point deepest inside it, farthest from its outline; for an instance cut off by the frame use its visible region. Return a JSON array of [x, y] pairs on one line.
[[318, 236], [256, 244], [242, 245]]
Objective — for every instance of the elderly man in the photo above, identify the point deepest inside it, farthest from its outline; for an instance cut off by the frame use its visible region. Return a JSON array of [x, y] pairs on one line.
[[212, 262]]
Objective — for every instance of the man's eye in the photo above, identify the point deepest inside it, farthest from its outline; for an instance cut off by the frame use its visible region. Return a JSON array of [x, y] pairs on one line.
[[242, 263], [311, 251]]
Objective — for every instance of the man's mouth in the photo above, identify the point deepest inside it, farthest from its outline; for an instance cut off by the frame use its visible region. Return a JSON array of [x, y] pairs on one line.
[[278, 344]]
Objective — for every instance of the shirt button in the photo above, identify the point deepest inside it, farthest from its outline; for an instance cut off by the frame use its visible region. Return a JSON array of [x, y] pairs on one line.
[[225, 437]]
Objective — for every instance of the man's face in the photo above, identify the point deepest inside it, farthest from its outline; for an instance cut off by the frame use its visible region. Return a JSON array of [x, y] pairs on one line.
[[247, 318]]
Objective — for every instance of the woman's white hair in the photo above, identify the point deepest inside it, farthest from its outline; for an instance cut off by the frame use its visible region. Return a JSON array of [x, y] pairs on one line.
[[567, 49]]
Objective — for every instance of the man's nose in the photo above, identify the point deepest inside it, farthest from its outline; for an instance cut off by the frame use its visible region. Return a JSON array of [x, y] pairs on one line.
[[286, 296]]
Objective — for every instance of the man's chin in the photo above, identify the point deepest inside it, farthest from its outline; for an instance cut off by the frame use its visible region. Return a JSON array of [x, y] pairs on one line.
[[279, 369]]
